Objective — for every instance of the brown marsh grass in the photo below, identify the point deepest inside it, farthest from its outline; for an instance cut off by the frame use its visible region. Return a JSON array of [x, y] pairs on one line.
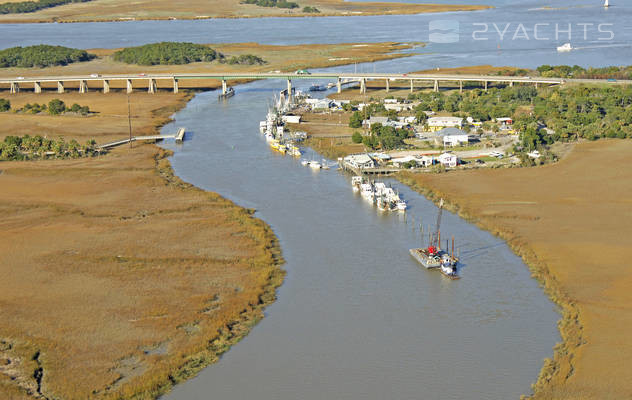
[[118, 279], [114, 10]]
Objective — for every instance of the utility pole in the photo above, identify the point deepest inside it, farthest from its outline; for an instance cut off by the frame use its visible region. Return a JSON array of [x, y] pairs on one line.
[[129, 121]]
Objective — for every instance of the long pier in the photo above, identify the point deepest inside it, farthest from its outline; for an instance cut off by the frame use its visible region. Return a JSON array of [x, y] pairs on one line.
[[178, 136], [149, 81]]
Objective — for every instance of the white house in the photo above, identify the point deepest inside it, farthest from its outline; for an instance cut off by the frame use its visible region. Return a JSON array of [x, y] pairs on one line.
[[291, 119], [505, 121], [455, 140], [448, 160], [438, 123], [361, 161], [374, 120], [400, 161], [426, 161]]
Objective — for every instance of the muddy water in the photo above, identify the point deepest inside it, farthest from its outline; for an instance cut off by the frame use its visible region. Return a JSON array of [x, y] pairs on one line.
[[357, 318]]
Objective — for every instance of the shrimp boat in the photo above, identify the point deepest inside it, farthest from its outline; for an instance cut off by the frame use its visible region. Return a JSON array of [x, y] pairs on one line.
[[433, 256], [356, 181]]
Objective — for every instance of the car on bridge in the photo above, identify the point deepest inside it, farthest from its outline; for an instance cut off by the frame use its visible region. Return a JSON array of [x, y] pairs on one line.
[[302, 72]]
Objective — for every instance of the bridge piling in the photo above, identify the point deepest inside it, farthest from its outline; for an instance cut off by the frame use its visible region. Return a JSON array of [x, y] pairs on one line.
[[151, 86], [60, 87], [15, 88], [83, 86], [106, 86], [388, 88], [436, 85], [460, 86], [37, 87], [485, 85], [510, 83], [412, 86], [289, 89], [175, 86], [224, 86], [339, 85], [363, 85], [129, 86]]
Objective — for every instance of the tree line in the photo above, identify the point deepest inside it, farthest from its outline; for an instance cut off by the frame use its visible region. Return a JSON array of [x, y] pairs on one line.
[[21, 148], [167, 53], [54, 107], [21, 7], [42, 55], [272, 3]]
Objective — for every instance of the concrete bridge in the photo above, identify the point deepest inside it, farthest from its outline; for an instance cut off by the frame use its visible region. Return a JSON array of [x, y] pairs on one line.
[[149, 81]]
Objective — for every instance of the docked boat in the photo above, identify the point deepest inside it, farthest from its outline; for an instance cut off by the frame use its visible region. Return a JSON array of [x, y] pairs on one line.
[[317, 88], [401, 205], [433, 256], [429, 257], [448, 266], [564, 48], [314, 165], [263, 126], [356, 181], [304, 163], [230, 92], [366, 190]]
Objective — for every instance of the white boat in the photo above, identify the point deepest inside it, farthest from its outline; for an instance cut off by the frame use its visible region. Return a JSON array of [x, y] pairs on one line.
[[564, 48], [314, 165], [379, 187], [366, 190], [262, 126], [401, 205], [356, 181], [383, 204], [269, 136], [606, 4], [304, 163]]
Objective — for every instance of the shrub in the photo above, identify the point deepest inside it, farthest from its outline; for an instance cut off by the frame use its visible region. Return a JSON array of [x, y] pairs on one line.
[[42, 56], [356, 137], [167, 53], [5, 105], [311, 10], [56, 107], [246, 59], [32, 6]]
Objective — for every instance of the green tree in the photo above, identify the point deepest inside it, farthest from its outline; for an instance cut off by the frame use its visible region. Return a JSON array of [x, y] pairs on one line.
[[56, 107], [5, 105], [356, 120], [356, 137]]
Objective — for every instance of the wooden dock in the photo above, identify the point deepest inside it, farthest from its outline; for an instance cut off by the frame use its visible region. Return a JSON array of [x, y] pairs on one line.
[[179, 137], [368, 171]]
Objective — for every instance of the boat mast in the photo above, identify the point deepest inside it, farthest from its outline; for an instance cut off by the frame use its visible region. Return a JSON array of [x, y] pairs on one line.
[[436, 236]]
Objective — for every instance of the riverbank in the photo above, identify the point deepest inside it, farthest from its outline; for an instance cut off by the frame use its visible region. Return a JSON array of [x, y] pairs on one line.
[[120, 10], [575, 245], [114, 281]]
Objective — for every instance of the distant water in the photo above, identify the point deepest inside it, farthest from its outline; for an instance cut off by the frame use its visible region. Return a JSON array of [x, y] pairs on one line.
[[512, 17]]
